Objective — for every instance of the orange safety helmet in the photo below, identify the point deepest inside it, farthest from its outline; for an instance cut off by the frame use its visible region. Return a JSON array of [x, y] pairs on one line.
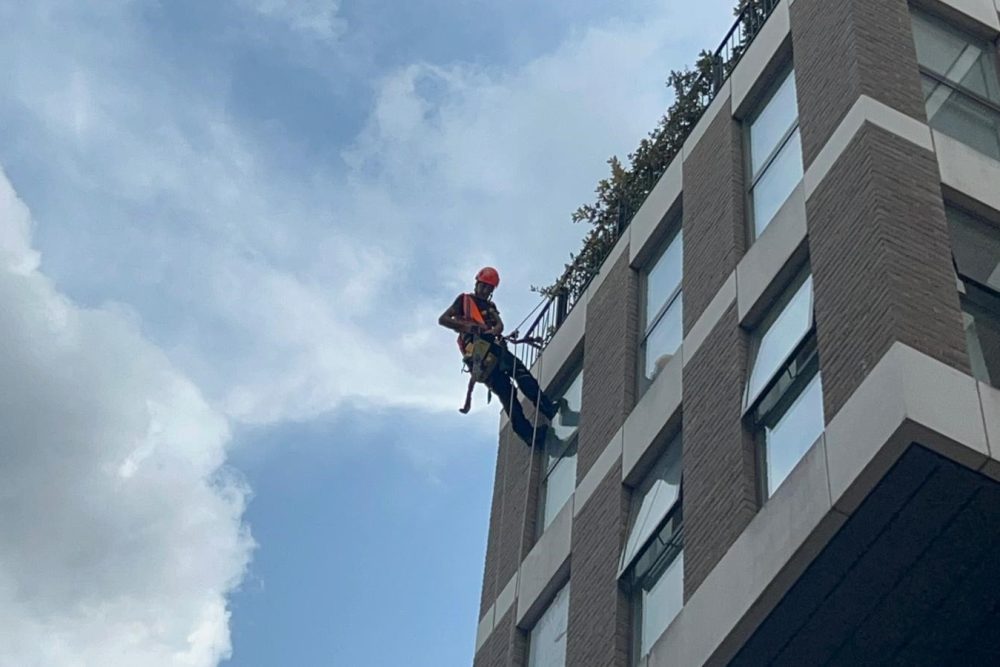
[[489, 276]]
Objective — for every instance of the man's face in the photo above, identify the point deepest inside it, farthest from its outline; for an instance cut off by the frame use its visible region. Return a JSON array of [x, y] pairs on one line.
[[483, 290]]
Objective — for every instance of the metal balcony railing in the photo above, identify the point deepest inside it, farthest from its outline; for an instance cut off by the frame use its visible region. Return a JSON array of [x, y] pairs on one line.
[[724, 59]]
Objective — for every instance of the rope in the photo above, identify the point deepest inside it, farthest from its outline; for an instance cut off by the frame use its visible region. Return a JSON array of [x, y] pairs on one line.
[[528, 316], [524, 513]]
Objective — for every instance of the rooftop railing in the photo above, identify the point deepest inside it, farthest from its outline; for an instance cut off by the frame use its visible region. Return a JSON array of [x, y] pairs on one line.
[[557, 307]]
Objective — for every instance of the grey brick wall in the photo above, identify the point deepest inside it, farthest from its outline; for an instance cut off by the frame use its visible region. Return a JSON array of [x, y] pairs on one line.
[[598, 628], [714, 227], [494, 652], [881, 263], [848, 48], [609, 368], [882, 273], [720, 492], [508, 513]]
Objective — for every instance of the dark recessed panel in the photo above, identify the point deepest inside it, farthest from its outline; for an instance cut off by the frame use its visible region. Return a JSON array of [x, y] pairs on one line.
[[913, 575]]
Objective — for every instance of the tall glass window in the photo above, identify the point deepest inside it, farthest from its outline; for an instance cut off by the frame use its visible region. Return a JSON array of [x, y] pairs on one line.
[[976, 250], [559, 479], [652, 562], [663, 311], [547, 642], [784, 393], [775, 153], [960, 83]]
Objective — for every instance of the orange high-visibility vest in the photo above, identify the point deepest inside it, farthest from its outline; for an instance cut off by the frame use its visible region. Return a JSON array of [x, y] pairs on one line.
[[470, 311]]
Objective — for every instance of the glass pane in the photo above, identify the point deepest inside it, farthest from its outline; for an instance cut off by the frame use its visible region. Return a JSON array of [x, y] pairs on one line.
[[661, 602], [663, 340], [654, 498], [976, 246], [547, 644], [956, 56], [794, 433], [773, 123], [780, 338], [982, 335], [664, 278], [566, 421], [559, 486], [775, 184], [963, 118]]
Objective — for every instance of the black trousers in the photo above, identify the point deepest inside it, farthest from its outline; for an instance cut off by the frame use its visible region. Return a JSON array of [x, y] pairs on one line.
[[509, 368]]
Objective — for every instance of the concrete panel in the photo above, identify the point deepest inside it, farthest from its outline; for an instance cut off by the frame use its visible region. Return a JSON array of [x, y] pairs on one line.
[[989, 398], [865, 110], [706, 323], [646, 223], [649, 418], [563, 345], [968, 171], [722, 102], [605, 462], [544, 568], [982, 12], [783, 239], [757, 570], [485, 628], [759, 56], [506, 599], [907, 396]]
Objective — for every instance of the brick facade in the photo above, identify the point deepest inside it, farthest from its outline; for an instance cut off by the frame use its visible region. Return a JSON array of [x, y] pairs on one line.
[[598, 629], [609, 375], [878, 238], [882, 272], [720, 492], [494, 653], [846, 49], [509, 514], [881, 263], [714, 227]]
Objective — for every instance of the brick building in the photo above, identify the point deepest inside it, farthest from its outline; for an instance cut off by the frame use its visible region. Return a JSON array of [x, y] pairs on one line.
[[781, 441]]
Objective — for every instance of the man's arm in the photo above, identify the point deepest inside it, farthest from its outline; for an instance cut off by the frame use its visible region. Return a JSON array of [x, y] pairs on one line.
[[454, 320], [496, 329]]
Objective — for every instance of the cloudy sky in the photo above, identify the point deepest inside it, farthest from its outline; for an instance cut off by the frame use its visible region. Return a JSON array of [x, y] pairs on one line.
[[227, 414]]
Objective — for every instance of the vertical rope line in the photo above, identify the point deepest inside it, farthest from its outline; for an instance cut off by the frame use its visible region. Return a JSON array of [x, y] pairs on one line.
[[524, 514]]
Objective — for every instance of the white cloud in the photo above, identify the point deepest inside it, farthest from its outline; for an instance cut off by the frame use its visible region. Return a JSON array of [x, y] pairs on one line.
[[120, 532], [317, 18]]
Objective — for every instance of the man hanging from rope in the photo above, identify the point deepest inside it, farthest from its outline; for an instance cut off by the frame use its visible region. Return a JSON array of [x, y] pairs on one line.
[[486, 357]]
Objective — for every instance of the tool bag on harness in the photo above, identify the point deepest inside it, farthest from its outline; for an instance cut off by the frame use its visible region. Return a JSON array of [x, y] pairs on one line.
[[477, 353]]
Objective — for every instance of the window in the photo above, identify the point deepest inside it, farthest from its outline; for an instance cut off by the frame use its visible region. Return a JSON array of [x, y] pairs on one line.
[[559, 478], [662, 316], [960, 83], [976, 251], [653, 559], [784, 394], [775, 153], [547, 642]]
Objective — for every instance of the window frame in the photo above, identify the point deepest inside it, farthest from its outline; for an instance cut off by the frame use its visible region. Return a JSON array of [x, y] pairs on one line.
[[531, 643], [570, 445], [987, 46], [796, 372], [635, 579], [675, 234], [635, 573], [752, 179], [972, 291]]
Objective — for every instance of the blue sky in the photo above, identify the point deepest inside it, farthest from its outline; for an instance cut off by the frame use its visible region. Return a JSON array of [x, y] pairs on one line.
[[226, 231]]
